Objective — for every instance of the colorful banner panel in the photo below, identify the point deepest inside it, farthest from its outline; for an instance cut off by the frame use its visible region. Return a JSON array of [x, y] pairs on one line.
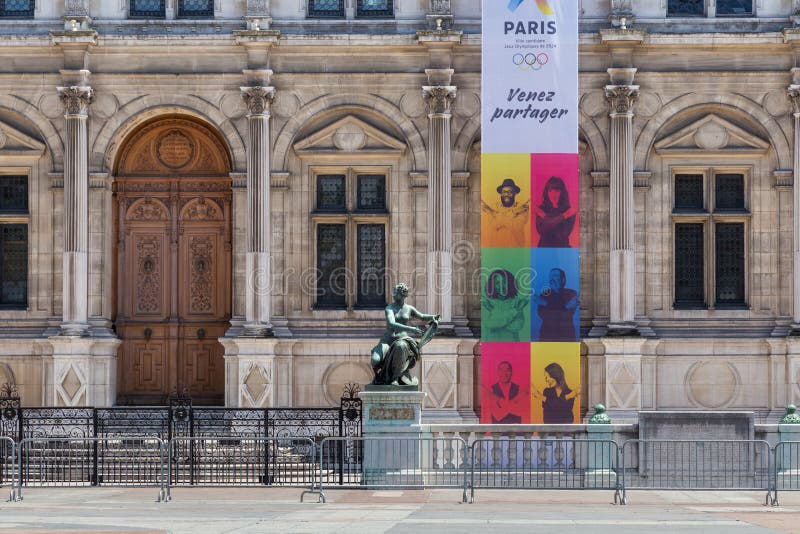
[[530, 217]]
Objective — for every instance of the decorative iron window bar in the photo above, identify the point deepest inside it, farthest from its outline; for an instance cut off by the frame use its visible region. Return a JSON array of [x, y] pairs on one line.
[[326, 8], [17, 8], [375, 8], [147, 9], [196, 8]]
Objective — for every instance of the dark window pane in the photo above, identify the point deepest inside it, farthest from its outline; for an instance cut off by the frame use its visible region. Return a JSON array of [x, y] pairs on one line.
[[689, 192], [685, 8], [330, 192], [331, 273], [196, 8], [14, 264], [689, 279], [372, 192], [16, 8], [730, 264], [729, 192], [734, 7], [326, 8], [371, 265], [375, 8], [147, 8], [14, 194]]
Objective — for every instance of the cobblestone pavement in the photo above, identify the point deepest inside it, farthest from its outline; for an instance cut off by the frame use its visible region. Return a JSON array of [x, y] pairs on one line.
[[201, 510]]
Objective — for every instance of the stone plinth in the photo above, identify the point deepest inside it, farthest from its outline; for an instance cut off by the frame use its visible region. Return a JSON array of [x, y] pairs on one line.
[[82, 371], [787, 457], [389, 417]]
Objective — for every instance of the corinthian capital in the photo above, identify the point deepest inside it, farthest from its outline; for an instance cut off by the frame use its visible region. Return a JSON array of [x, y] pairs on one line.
[[794, 98], [258, 99], [76, 99], [622, 98], [439, 97]]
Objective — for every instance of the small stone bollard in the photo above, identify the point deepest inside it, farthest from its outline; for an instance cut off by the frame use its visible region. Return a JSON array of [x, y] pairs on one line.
[[601, 453]]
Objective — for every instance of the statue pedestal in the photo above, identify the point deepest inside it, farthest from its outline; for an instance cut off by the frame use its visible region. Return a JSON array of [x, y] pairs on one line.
[[393, 452]]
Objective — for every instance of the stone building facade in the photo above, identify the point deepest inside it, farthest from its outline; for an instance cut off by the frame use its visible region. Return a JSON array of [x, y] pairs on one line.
[[215, 196]]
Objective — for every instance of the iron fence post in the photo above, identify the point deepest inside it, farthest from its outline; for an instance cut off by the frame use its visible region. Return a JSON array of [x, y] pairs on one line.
[[95, 448]]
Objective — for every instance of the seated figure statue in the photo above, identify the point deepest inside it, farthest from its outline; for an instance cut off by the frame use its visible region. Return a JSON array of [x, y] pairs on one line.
[[397, 351]]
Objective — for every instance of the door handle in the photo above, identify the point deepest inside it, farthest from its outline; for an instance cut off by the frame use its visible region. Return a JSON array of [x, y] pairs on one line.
[[201, 333]]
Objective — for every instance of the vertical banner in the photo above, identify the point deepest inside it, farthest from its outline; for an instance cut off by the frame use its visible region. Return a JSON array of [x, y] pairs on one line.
[[530, 217]]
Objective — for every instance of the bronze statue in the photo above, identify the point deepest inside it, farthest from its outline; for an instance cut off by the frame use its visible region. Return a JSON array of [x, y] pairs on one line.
[[397, 352]]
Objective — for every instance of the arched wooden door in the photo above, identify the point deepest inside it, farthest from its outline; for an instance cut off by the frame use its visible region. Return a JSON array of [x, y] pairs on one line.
[[173, 277]]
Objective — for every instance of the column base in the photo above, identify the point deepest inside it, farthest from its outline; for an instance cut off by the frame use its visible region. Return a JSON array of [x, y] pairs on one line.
[[623, 330], [257, 330], [74, 330]]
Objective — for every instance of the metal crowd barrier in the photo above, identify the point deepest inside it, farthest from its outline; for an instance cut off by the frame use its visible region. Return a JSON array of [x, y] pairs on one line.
[[242, 461], [552, 464], [787, 468], [8, 457], [711, 465], [393, 463], [132, 461]]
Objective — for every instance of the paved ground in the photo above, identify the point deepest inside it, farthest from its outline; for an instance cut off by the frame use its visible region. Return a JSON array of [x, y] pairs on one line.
[[277, 510]]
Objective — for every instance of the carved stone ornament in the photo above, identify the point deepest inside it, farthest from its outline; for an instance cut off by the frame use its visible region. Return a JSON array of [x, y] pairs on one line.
[[440, 7], [439, 97], [622, 98], [75, 8], [76, 99], [794, 98], [258, 99], [257, 8]]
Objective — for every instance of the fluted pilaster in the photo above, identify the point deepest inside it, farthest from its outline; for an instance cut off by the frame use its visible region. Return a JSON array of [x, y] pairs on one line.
[[440, 217], [76, 101], [258, 273], [622, 259], [794, 97]]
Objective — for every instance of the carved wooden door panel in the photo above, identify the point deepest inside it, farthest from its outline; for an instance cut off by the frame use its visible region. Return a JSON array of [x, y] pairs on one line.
[[173, 264]]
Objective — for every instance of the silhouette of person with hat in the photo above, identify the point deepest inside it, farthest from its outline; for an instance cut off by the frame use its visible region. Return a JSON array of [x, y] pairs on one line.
[[508, 219]]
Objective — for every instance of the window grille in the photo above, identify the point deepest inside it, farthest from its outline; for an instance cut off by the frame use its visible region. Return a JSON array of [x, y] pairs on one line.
[[17, 8], [371, 265], [685, 8], [729, 192], [688, 192], [195, 8], [13, 194], [13, 265], [734, 7], [730, 264], [331, 192], [331, 266], [375, 8], [689, 261], [147, 9], [371, 192], [325, 8]]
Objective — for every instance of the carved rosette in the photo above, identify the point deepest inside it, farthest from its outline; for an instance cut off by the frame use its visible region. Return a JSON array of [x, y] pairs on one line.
[[622, 98], [258, 99], [794, 97], [439, 98], [76, 99]]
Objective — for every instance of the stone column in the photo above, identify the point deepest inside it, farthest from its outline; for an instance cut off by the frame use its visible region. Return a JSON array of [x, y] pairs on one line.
[[440, 223], [794, 96], [621, 257], [76, 100], [257, 273]]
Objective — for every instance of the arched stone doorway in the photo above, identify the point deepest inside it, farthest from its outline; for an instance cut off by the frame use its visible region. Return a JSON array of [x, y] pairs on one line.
[[173, 268]]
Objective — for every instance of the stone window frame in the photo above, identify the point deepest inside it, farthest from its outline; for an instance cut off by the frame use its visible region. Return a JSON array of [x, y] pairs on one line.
[[19, 218], [710, 11], [351, 217], [709, 217]]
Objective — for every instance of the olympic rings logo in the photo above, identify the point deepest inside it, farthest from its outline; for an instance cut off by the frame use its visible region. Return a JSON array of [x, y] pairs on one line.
[[530, 61]]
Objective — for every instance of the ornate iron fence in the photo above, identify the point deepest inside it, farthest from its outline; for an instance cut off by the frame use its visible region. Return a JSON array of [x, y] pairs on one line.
[[189, 428]]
